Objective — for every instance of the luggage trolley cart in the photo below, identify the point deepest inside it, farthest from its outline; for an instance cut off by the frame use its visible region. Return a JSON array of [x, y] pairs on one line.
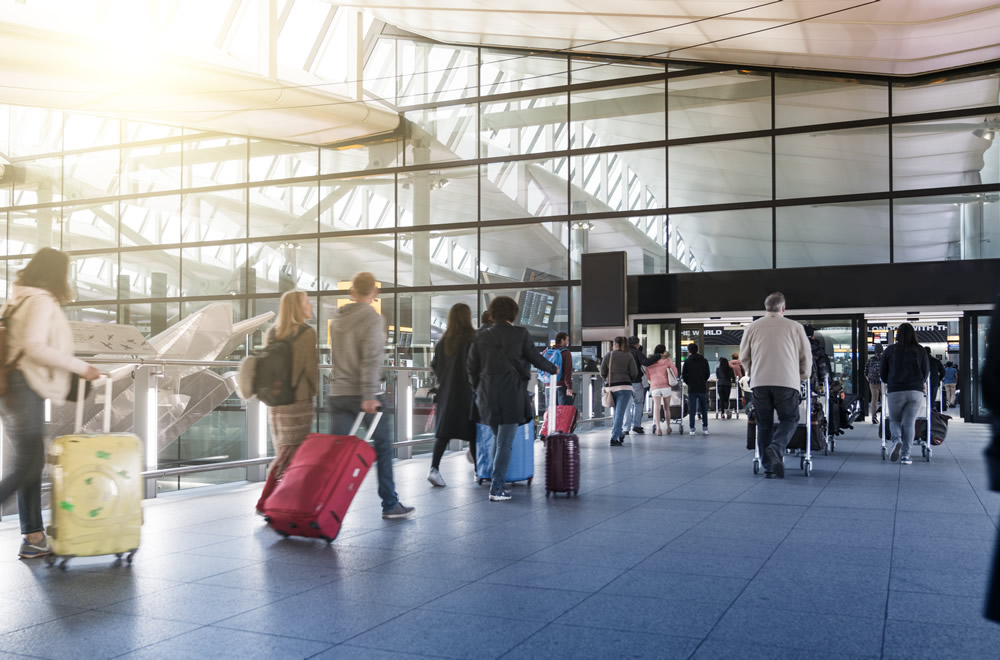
[[734, 401], [926, 448], [831, 443], [805, 459], [679, 419]]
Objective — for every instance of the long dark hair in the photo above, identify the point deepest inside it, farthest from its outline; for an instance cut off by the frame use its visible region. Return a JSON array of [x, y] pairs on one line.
[[906, 337], [726, 369], [459, 328], [49, 270]]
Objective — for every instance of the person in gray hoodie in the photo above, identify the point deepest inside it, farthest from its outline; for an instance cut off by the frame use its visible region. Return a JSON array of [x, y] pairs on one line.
[[357, 342]]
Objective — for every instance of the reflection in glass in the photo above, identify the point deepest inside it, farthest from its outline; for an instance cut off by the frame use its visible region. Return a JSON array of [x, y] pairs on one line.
[[946, 227], [214, 270], [833, 163], [617, 115], [423, 318], [357, 203], [833, 234], [802, 99], [281, 160], [42, 182], [151, 221], [437, 257], [523, 126], [438, 196], [150, 318], [90, 227], [593, 68], [377, 153], [524, 253], [214, 161], [34, 131], [150, 274], [87, 131], [618, 181], [721, 240], [503, 72], [214, 216], [720, 172], [284, 209], [280, 267], [525, 188], [343, 256], [543, 310], [29, 231], [643, 239], [952, 152], [151, 168], [441, 134], [717, 103], [94, 277], [949, 92], [430, 72], [91, 174]]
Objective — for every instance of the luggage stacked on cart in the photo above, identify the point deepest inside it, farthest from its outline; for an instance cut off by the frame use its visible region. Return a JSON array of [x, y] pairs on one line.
[[522, 454], [318, 486], [678, 404], [751, 426], [939, 427], [97, 489], [850, 410], [562, 451], [817, 435]]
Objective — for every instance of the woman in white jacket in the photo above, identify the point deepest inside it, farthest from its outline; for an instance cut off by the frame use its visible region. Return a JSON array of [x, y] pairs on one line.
[[40, 361]]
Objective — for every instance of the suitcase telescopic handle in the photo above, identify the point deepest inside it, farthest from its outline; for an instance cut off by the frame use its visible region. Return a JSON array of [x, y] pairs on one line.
[[550, 412], [371, 427], [81, 392]]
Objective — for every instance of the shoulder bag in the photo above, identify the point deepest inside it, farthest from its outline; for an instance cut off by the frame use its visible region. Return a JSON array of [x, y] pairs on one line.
[[607, 398]]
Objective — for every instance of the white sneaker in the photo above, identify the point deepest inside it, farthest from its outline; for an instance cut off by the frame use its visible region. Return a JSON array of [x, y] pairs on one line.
[[704, 431], [692, 432], [434, 476]]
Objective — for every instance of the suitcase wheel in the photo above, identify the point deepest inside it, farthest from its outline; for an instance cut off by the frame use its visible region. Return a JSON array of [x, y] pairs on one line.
[[128, 559], [547, 493], [64, 563], [327, 539], [50, 560], [267, 519], [530, 478], [283, 533]]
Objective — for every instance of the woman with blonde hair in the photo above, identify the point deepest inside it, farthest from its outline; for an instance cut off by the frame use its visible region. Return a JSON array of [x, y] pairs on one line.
[[291, 423]]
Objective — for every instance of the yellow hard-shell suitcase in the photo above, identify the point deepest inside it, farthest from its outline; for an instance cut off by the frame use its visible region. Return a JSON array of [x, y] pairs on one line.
[[97, 489]]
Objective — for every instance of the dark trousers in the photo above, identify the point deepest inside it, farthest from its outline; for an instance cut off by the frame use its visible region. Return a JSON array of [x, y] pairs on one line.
[[440, 444], [23, 414], [343, 411], [766, 400], [725, 390], [561, 398], [698, 400]]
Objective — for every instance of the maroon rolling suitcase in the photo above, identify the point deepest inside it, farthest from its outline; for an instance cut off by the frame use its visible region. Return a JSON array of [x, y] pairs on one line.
[[562, 454], [565, 421], [316, 490]]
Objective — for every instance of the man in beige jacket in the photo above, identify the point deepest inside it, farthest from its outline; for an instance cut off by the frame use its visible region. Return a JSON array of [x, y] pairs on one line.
[[776, 355]]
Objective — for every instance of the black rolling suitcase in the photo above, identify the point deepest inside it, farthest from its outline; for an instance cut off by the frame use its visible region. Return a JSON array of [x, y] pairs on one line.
[[562, 457]]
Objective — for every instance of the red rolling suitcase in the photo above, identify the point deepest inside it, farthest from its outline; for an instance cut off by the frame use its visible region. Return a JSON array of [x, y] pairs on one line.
[[562, 454], [316, 490], [565, 415]]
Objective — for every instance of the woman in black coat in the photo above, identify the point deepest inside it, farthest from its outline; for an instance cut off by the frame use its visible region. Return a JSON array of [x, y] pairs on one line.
[[453, 405], [499, 367], [991, 398]]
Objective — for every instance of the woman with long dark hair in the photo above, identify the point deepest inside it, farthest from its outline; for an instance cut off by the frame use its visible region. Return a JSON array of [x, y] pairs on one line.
[[904, 371], [40, 362], [724, 384], [453, 405]]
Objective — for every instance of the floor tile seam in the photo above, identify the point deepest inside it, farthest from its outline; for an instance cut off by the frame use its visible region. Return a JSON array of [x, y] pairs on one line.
[[974, 490], [218, 626], [604, 626], [892, 552], [749, 582], [81, 610], [165, 639], [372, 648]]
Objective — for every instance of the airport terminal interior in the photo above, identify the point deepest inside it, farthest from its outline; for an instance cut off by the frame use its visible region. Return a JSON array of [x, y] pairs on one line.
[[197, 160]]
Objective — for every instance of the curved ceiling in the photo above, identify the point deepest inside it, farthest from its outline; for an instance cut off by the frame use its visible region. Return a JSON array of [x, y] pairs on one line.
[[896, 37]]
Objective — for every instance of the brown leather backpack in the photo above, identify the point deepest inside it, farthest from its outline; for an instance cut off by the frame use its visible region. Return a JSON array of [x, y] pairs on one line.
[[6, 364]]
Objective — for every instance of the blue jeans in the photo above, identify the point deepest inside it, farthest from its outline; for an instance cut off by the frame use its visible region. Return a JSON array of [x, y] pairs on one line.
[[904, 408], [633, 416], [504, 434], [766, 400], [23, 414], [343, 411], [698, 401], [623, 399]]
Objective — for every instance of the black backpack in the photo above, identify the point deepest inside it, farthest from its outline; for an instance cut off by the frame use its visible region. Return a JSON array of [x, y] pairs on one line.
[[272, 369]]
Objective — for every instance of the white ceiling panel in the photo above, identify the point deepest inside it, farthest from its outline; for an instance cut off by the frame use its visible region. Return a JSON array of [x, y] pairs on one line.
[[900, 37]]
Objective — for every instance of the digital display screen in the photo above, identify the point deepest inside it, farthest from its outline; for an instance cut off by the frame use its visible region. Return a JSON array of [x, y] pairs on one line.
[[537, 307]]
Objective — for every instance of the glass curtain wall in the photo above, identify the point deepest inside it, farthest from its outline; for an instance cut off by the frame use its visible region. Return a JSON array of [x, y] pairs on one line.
[[507, 166]]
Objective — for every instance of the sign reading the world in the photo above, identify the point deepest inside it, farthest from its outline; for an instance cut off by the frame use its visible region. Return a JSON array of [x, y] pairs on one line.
[[109, 339]]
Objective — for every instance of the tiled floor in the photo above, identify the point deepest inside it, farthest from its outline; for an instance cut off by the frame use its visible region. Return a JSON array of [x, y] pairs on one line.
[[674, 549]]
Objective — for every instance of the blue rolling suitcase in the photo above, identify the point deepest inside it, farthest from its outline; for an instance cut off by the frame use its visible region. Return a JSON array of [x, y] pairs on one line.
[[522, 455]]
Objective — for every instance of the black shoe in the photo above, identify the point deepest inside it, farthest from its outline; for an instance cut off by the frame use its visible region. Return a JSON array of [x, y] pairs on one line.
[[638, 429], [769, 475], [777, 465]]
